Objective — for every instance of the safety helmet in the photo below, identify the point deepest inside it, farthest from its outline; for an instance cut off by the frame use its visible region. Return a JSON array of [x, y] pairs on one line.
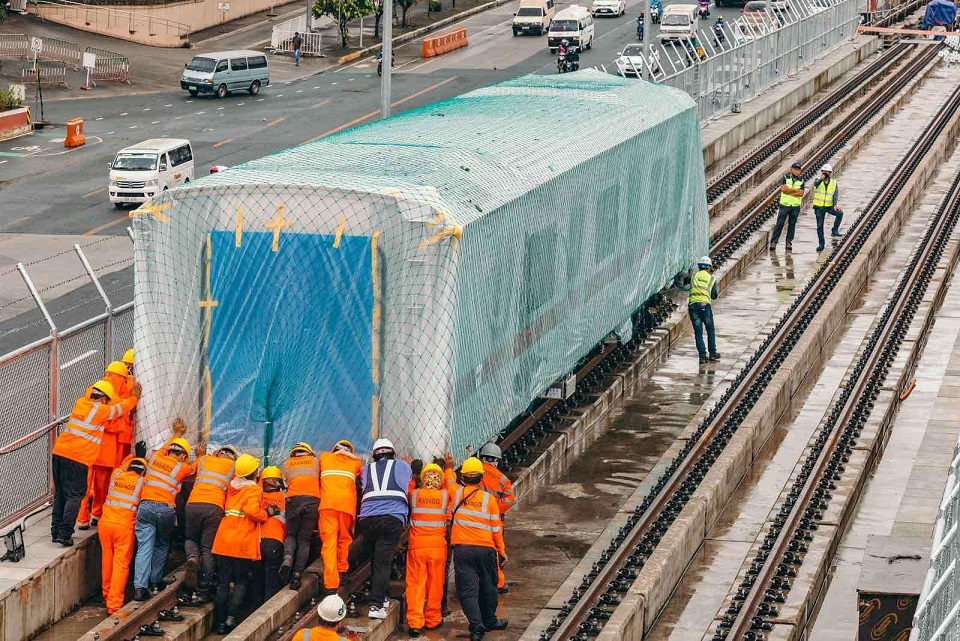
[[472, 466], [564, 42], [827, 168], [245, 465], [719, 18], [128, 357], [119, 368], [137, 465], [704, 261], [491, 450], [343, 444], [182, 444], [332, 609], [228, 449], [271, 472], [430, 467], [106, 388], [383, 444], [796, 165], [301, 447]]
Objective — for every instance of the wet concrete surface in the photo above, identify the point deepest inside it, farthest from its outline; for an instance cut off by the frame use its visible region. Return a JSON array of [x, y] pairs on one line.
[[704, 588]]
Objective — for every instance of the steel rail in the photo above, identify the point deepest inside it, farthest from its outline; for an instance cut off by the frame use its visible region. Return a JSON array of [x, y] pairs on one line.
[[672, 491], [750, 615]]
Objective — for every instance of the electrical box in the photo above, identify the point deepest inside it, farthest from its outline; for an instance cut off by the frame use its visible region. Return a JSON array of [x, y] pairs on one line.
[[563, 389]]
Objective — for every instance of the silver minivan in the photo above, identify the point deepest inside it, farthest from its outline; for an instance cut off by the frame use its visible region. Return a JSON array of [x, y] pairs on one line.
[[221, 72]]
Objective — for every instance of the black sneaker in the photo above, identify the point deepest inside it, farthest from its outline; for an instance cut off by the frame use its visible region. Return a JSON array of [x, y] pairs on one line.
[[503, 590], [819, 248], [714, 357], [83, 526], [141, 594], [414, 632], [296, 581], [789, 247], [771, 246], [67, 543], [836, 234], [284, 571], [501, 624], [703, 359]]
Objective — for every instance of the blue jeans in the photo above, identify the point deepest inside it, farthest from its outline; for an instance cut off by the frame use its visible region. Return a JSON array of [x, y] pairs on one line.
[[821, 214], [155, 525], [296, 55], [788, 215], [701, 315]]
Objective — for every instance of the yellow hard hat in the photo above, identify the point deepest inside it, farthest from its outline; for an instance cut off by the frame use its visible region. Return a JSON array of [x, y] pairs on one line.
[[430, 467], [344, 443], [472, 466], [246, 465], [271, 472], [137, 464], [105, 387], [302, 446], [128, 357], [182, 444], [116, 367]]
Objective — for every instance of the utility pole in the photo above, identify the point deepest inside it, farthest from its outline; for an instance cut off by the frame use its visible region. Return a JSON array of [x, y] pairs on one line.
[[647, 37], [387, 50]]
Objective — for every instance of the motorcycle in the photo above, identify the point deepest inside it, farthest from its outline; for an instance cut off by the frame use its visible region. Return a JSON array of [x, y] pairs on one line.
[[393, 62], [640, 28], [656, 10], [569, 61], [719, 37], [704, 9]]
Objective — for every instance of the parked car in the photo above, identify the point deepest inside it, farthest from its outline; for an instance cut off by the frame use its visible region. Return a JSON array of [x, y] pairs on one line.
[[608, 8]]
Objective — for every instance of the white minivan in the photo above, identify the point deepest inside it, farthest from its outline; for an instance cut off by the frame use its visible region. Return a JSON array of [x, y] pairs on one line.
[[679, 22], [574, 24], [148, 169]]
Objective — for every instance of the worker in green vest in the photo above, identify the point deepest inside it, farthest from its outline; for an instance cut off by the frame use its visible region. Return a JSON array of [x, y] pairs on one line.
[[703, 291], [791, 197], [826, 192]]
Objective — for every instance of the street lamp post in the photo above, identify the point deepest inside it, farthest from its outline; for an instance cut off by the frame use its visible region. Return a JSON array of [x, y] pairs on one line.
[[387, 51]]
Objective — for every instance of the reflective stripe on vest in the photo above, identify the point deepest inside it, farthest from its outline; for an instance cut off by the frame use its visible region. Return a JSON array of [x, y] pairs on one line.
[[156, 478], [213, 478], [75, 426], [379, 484], [823, 194], [349, 475], [786, 199], [416, 511], [124, 501], [234, 513], [701, 287], [313, 470], [306, 635], [481, 514]]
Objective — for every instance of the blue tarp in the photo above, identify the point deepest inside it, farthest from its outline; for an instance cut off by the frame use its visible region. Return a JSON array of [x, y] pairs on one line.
[[290, 340], [940, 13]]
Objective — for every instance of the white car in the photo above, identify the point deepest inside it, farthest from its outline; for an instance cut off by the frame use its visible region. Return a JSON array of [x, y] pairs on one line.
[[608, 8], [630, 60]]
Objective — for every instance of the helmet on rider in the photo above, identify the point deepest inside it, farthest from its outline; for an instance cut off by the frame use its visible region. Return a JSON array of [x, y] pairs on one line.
[[564, 42]]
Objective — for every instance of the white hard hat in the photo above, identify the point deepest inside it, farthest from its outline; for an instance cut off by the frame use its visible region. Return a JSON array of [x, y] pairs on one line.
[[705, 260], [383, 444], [828, 168], [491, 450], [332, 609]]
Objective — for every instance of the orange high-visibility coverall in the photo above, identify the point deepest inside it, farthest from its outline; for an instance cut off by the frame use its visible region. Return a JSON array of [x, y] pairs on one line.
[[426, 557], [116, 533], [496, 483], [338, 511]]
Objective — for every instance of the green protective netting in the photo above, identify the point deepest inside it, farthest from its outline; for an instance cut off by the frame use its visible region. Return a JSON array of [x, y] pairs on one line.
[[424, 277]]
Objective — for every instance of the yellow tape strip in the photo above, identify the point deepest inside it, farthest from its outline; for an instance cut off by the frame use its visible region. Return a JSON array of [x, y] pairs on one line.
[[239, 224], [208, 403], [208, 313], [152, 210], [452, 231], [340, 228], [375, 335], [277, 225]]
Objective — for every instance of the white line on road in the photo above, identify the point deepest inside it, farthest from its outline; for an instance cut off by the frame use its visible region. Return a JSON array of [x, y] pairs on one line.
[[200, 113], [2, 162], [279, 95], [169, 105], [133, 126], [76, 360], [332, 83], [110, 132], [146, 108], [240, 104], [155, 122], [219, 108], [124, 113], [259, 99], [100, 118]]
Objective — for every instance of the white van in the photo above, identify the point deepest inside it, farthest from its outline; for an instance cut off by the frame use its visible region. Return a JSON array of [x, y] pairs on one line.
[[679, 22], [222, 72], [143, 171], [533, 16], [574, 24]]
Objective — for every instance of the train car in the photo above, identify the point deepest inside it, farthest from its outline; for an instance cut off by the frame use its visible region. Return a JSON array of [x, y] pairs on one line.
[[424, 277]]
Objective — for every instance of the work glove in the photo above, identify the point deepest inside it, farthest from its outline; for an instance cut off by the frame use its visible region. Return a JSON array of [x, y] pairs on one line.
[[137, 390], [272, 510], [140, 449], [503, 559]]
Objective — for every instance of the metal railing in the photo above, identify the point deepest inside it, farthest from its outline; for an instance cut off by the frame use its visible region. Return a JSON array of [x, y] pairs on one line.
[[47, 72], [109, 65], [14, 45], [42, 381], [108, 17]]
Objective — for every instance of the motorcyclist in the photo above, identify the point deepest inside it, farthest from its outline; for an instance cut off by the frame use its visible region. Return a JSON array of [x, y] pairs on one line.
[[718, 34], [562, 54], [573, 58], [656, 9], [640, 26], [704, 8], [393, 61]]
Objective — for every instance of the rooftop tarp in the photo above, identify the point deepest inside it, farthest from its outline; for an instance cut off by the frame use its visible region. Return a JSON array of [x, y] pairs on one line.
[[424, 277]]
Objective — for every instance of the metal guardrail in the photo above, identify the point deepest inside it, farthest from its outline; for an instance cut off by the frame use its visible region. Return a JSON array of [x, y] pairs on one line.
[[107, 17], [110, 65], [63, 50], [41, 382], [14, 45], [46, 72], [281, 41]]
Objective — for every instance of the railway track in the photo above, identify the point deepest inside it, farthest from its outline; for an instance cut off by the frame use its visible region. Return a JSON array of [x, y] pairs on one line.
[[784, 545], [584, 614]]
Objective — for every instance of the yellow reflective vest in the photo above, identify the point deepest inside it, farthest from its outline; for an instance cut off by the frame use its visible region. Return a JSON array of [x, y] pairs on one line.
[[786, 199], [823, 194], [701, 287]]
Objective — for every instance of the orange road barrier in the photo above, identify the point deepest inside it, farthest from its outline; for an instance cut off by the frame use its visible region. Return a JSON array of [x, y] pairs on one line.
[[75, 137], [443, 43]]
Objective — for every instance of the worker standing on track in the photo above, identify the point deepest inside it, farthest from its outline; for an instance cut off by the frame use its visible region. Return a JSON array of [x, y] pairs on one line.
[[476, 539], [384, 508], [791, 197], [301, 471], [118, 430], [703, 291], [826, 193], [496, 483], [203, 513], [339, 471], [77, 448], [156, 516], [273, 533], [427, 551], [237, 544], [115, 530], [331, 610]]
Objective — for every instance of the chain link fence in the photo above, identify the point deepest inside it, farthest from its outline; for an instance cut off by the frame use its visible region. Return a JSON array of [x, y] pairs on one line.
[[73, 328]]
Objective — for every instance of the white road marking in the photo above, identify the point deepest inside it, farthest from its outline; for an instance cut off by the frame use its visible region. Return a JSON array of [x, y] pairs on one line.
[[155, 122], [2, 162], [172, 105], [219, 108], [76, 360], [124, 113], [146, 108], [240, 104], [200, 113], [189, 101], [100, 118], [332, 83], [279, 95], [110, 132], [133, 126], [259, 99]]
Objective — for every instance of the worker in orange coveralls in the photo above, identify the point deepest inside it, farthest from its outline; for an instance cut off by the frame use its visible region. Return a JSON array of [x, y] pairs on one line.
[[426, 551], [273, 533], [331, 610], [339, 470], [115, 531], [496, 483], [119, 430]]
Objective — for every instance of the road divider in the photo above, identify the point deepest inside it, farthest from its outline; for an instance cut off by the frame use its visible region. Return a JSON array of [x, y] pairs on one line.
[[441, 44], [75, 137], [15, 123]]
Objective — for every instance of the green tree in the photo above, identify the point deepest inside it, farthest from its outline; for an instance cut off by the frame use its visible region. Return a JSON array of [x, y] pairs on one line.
[[344, 12], [404, 6]]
